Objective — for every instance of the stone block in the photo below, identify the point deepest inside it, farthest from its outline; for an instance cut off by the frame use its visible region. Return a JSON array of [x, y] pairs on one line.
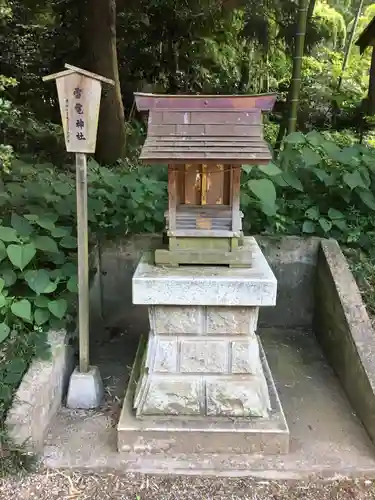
[[206, 285], [161, 438], [344, 329], [245, 356], [85, 389], [39, 395], [175, 320], [199, 356], [178, 396], [231, 320], [240, 397], [166, 355]]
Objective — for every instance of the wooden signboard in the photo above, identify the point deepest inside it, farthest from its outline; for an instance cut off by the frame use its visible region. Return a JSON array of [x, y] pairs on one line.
[[79, 93]]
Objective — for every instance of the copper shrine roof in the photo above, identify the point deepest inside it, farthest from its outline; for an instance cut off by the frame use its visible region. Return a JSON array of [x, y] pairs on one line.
[[200, 128]]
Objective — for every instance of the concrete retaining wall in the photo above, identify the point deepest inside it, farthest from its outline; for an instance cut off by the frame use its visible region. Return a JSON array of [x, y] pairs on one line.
[[292, 259], [344, 330], [40, 394]]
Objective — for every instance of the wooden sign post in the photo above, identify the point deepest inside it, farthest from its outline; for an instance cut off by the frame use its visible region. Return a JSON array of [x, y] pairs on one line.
[[79, 93]]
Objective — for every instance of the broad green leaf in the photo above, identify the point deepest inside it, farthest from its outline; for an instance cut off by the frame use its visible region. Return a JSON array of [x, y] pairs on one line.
[[315, 138], [58, 307], [68, 242], [323, 176], [309, 227], [57, 258], [325, 224], [21, 255], [8, 234], [16, 190], [21, 225], [269, 210], [245, 201], [312, 213], [46, 244], [51, 287], [41, 301], [295, 138], [31, 217], [353, 179], [340, 223], [72, 284], [9, 276], [41, 316], [334, 214], [270, 169], [22, 309], [349, 156], [38, 280], [2, 284], [60, 232], [4, 332], [293, 181], [369, 161], [310, 157], [332, 150], [368, 198], [57, 273], [279, 180], [3, 300], [264, 190], [17, 365], [365, 176], [45, 223], [62, 188], [247, 168]]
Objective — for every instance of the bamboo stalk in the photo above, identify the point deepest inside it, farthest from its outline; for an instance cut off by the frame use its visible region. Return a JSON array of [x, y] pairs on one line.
[[297, 64]]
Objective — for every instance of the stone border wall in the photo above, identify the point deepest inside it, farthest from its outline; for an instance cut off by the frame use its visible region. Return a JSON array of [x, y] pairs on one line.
[[40, 394], [344, 330], [292, 259]]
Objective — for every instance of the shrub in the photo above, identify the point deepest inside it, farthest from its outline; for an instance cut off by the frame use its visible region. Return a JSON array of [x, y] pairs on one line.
[[315, 187]]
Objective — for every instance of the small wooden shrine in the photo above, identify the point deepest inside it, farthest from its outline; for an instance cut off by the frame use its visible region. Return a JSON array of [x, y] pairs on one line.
[[204, 140]]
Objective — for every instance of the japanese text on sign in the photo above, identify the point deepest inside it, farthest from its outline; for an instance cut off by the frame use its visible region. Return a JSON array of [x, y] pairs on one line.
[[78, 107]]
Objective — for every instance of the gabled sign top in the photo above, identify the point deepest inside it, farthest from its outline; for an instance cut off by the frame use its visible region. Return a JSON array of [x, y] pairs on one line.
[[73, 69], [79, 93]]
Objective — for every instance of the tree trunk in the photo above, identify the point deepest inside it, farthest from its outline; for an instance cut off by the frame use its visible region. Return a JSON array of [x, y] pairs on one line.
[[299, 49], [100, 56]]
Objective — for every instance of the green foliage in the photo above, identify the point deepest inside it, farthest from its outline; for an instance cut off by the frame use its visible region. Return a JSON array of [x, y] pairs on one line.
[[38, 245], [363, 268], [331, 24], [316, 187]]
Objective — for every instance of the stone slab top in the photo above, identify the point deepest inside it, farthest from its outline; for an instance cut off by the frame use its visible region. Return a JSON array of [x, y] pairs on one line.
[[206, 285]]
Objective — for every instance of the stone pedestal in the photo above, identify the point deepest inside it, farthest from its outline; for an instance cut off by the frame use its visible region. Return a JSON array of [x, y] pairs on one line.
[[204, 365]]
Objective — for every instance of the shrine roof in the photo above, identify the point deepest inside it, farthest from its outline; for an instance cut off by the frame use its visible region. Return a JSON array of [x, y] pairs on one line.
[[214, 127], [367, 37]]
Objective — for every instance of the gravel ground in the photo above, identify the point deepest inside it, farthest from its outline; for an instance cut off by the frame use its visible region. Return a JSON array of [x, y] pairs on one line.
[[82, 486]]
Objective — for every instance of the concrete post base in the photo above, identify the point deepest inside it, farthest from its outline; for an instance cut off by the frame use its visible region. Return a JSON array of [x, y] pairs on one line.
[[85, 389]]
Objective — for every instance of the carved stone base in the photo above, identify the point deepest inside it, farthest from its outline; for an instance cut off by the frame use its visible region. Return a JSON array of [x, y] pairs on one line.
[[202, 372], [187, 435]]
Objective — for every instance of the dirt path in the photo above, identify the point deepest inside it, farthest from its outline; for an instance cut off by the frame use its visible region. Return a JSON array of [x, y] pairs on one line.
[[82, 486]]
